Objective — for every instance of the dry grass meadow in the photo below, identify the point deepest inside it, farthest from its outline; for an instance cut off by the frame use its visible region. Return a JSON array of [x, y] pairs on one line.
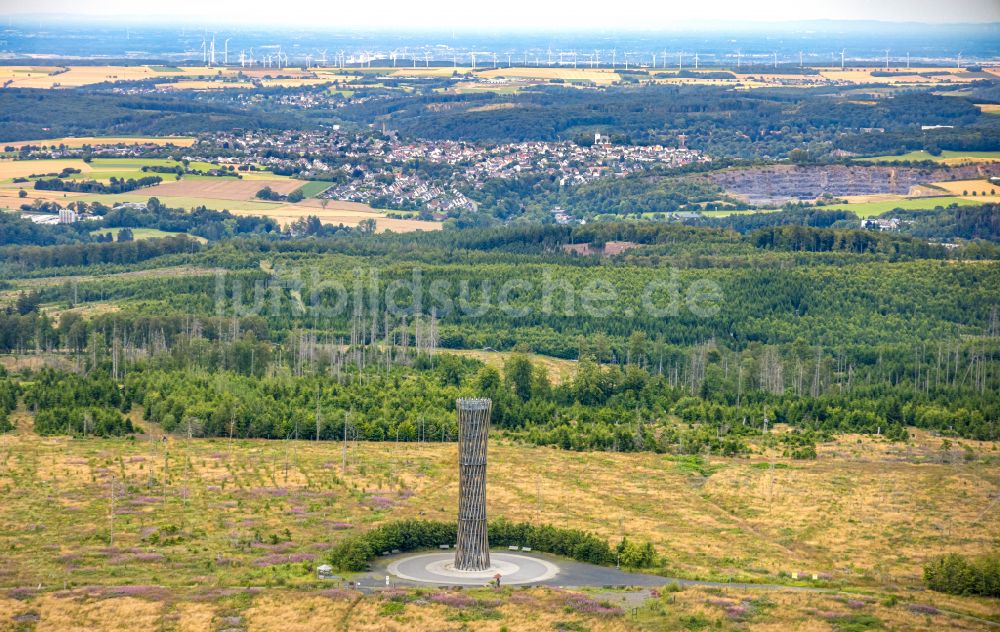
[[98, 531], [80, 141]]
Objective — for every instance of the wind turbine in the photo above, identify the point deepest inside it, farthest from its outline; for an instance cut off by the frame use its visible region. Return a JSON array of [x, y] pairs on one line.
[[959, 60], [907, 60], [887, 59], [204, 51], [614, 52], [243, 58], [842, 51], [508, 60], [495, 60], [775, 60], [680, 60], [800, 59], [597, 59], [696, 61], [427, 59], [739, 58], [211, 58], [251, 58], [473, 55], [664, 58], [654, 60], [225, 52], [322, 57]]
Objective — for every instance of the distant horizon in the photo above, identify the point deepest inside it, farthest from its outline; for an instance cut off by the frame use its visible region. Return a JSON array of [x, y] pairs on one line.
[[168, 20], [516, 15]]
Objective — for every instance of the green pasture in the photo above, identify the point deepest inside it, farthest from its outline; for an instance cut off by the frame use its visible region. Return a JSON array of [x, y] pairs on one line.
[[871, 209], [314, 188], [945, 155], [144, 233]]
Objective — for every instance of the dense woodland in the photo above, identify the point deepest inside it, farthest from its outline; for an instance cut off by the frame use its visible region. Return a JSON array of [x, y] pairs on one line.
[[827, 330], [771, 122], [32, 113]]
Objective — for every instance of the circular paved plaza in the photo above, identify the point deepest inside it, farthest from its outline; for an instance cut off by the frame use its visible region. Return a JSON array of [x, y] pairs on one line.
[[438, 568]]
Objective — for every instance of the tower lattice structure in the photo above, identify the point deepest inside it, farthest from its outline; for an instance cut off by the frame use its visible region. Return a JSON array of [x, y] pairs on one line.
[[473, 548]]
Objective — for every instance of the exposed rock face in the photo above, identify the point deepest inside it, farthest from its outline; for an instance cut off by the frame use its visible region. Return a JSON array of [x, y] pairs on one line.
[[778, 184]]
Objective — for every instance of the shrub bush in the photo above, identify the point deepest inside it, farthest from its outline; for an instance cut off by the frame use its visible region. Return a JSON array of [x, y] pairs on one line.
[[353, 553]]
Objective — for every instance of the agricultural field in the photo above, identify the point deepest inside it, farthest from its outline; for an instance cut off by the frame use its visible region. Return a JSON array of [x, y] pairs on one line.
[[871, 209], [170, 525], [914, 76], [978, 189], [143, 233], [313, 188], [337, 212], [221, 188], [24, 168], [599, 76], [251, 207], [81, 141], [76, 76], [203, 84], [946, 157]]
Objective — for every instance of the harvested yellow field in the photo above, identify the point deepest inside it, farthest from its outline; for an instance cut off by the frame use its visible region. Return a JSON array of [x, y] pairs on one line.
[[293, 82], [981, 189], [200, 84], [423, 71], [9, 198], [75, 76], [346, 213], [601, 76], [912, 76], [24, 168], [271, 73], [336, 74], [80, 141], [340, 206], [221, 189], [989, 108], [694, 81], [14, 72]]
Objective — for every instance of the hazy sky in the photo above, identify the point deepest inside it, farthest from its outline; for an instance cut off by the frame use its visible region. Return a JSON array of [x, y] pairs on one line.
[[512, 14]]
